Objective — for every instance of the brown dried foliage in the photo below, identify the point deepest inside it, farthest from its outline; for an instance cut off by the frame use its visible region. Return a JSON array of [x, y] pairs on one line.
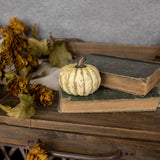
[[18, 85], [41, 95]]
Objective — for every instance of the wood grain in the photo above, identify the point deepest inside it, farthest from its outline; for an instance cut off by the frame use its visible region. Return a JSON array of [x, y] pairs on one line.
[[142, 125], [85, 129], [79, 143], [120, 50]]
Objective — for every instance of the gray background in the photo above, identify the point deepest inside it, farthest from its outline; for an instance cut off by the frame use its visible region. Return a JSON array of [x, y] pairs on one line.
[[110, 21]]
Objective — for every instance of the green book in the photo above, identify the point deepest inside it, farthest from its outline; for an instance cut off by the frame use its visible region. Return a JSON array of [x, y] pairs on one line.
[[108, 100], [128, 75]]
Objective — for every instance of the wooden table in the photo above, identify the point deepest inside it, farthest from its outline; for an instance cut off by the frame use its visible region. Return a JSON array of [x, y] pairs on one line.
[[135, 134]]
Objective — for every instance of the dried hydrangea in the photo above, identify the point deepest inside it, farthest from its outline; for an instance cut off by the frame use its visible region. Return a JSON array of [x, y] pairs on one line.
[[16, 26], [6, 57], [13, 41], [18, 85], [37, 152], [41, 95], [23, 53], [32, 62], [20, 62]]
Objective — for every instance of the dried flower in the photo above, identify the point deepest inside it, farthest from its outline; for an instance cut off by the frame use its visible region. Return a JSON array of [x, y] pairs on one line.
[[37, 152], [23, 53], [13, 42], [32, 62], [11, 45], [6, 57], [41, 94], [20, 62], [18, 85], [16, 26]]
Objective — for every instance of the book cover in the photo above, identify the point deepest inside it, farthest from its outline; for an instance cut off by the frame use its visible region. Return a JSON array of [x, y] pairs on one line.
[[128, 75], [108, 100]]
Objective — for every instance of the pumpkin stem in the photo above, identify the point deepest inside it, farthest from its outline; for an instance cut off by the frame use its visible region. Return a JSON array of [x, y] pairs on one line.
[[81, 62]]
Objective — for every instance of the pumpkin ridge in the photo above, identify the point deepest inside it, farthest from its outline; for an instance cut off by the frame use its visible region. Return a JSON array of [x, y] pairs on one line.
[[88, 70], [83, 81], [75, 85], [60, 79], [87, 82], [60, 82], [67, 87], [71, 81]]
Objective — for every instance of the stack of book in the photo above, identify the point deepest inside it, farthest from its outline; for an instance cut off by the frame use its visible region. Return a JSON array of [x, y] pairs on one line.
[[127, 85]]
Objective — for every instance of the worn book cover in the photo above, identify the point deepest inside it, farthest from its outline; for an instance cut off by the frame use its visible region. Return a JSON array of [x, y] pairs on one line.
[[108, 100], [128, 75]]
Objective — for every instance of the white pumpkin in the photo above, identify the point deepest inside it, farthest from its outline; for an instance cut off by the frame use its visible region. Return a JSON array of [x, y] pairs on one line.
[[79, 79]]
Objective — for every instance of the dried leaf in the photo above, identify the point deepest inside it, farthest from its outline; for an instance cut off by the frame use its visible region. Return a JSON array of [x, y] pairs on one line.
[[24, 71], [41, 47], [17, 26], [23, 110], [5, 108], [59, 55], [10, 75], [0, 46], [35, 32], [52, 41]]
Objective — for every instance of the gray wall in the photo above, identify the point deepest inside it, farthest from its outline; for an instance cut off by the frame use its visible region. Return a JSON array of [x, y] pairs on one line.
[[111, 21]]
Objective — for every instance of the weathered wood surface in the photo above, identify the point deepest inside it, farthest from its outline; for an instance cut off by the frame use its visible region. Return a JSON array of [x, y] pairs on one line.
[[133, 125], [120, 50], [79, 143], [94, 133]]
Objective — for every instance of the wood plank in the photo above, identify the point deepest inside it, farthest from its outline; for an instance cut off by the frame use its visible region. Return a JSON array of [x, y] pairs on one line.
[[148, 121], [135, 120], [78, 143], [142, 125], [120, 50], [84, 128]]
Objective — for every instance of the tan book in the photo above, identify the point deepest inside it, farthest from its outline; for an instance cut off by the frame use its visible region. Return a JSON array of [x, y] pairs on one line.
[[108, 100], [128, 75]]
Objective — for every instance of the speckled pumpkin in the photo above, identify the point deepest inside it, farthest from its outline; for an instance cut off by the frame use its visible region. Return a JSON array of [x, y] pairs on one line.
[[79, 79]]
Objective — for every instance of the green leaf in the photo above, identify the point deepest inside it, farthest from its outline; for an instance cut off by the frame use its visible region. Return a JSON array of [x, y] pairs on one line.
[[5, 108], [0, 46], [24, 71], [23, 110], [41, 47], [59, 56], [10, 75]]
